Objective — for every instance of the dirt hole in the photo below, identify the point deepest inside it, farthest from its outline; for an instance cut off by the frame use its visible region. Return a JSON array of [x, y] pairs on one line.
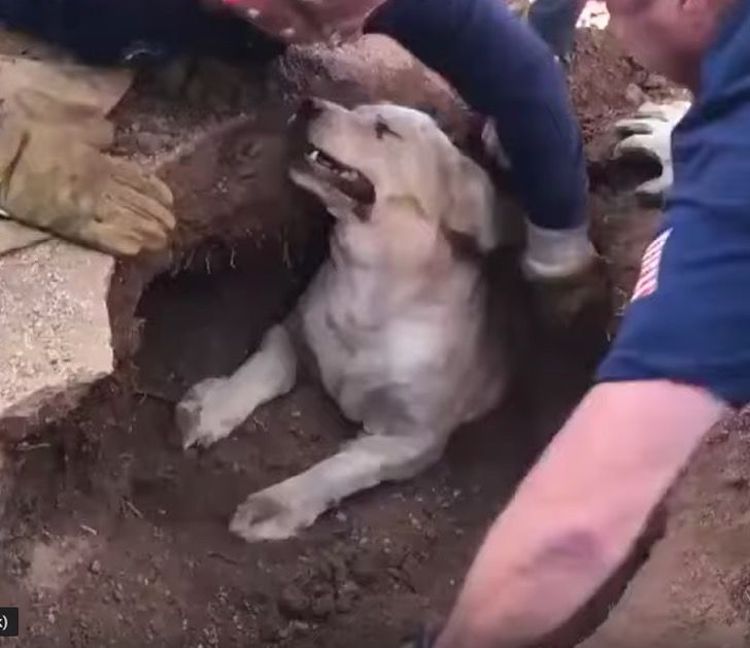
[[205, 317]]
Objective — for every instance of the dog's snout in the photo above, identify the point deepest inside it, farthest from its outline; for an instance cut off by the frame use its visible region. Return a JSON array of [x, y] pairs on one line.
[[310, 109]]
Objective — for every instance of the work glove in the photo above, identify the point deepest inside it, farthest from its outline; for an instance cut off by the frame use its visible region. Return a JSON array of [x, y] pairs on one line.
[[649, 133], [54, 176]]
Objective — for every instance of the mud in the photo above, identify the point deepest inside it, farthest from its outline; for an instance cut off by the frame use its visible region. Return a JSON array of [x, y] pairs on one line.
[[113, 536]]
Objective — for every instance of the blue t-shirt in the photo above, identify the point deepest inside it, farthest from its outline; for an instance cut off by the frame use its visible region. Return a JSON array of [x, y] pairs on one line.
[[504, 70], [689, 320]]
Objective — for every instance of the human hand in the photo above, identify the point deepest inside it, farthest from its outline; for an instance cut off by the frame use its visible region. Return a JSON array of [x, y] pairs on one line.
[[649, 133]]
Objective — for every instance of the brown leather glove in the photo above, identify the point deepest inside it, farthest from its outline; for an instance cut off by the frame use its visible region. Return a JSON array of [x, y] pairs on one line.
[[54, 176]]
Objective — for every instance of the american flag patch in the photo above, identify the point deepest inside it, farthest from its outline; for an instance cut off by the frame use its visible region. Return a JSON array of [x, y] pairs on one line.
[[648, 280]]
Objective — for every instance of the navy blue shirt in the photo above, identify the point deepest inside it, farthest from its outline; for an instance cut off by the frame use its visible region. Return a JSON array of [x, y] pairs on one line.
[[504, 70], [689, 320]]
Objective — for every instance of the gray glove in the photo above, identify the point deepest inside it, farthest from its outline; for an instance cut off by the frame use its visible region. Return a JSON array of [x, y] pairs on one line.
[[649, 133]]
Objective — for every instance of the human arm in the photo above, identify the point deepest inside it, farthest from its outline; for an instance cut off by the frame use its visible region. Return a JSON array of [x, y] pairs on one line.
[[505, 71], [555, 21], [578, 513], [687, 324]]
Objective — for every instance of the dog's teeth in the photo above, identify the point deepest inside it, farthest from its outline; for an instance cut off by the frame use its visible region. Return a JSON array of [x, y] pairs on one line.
[[313, 155]]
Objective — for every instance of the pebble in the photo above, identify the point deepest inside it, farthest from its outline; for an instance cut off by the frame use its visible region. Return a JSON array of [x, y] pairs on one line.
[[364, 570], [323, 607], [635, 95], [655, 82], [293, 603], [149, 143]]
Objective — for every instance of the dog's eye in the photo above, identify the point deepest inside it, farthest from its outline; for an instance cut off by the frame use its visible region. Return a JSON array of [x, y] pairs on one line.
[[382, 129]]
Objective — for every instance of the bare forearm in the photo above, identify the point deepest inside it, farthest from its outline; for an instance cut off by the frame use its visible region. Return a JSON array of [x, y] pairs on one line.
[[578, 513]]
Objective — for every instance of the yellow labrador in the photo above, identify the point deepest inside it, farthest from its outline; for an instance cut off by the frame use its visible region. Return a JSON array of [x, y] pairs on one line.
[[395, 319]]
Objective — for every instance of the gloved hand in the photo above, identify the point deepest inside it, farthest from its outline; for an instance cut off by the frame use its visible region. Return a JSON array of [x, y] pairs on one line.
[[54, 176], [649, 133]]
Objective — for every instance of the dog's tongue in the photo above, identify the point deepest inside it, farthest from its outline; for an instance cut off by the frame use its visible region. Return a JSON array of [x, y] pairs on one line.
[[301, 21]]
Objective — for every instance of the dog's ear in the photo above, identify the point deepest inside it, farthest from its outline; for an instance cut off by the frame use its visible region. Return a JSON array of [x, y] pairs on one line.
[[472, 210]]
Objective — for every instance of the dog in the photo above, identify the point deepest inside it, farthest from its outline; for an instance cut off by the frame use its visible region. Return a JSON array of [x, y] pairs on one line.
[[396, 319]]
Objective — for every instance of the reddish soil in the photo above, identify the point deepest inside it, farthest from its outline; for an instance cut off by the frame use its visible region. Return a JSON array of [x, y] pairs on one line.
[[113, 536]]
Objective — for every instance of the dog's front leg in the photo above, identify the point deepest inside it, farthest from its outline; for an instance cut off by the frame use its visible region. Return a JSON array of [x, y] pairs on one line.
[[213, 408], [280, 511]]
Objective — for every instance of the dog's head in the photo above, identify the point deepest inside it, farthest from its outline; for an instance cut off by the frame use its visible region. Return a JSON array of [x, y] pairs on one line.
[[376, 159]]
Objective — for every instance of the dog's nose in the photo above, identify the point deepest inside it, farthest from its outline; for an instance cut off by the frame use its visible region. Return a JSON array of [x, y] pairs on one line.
[[309, 109]]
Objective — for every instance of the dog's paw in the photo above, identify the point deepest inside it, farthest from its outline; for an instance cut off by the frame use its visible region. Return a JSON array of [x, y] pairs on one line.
[[200, 415], [265, 516]]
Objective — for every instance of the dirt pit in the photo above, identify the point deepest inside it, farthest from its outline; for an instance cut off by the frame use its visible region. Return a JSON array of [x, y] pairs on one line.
[[113, 536]]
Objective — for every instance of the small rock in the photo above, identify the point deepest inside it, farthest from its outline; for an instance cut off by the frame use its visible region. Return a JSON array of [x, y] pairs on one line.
[[298, 628], [348, 588], [269, 630], [736, 481], [339, 571], [323, 607], [655, 82], [293, 603], [149, 143], [635, 95], [344, 604], [364, 570], [95, 567]]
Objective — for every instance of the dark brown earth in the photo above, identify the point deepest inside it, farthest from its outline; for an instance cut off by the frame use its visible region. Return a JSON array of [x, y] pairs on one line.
[[113, 536]]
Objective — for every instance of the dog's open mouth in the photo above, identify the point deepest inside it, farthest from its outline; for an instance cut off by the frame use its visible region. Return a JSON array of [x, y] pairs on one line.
[[345, 179]]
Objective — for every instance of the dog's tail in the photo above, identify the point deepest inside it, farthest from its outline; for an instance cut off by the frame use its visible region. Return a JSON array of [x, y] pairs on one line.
[[117, 31]]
